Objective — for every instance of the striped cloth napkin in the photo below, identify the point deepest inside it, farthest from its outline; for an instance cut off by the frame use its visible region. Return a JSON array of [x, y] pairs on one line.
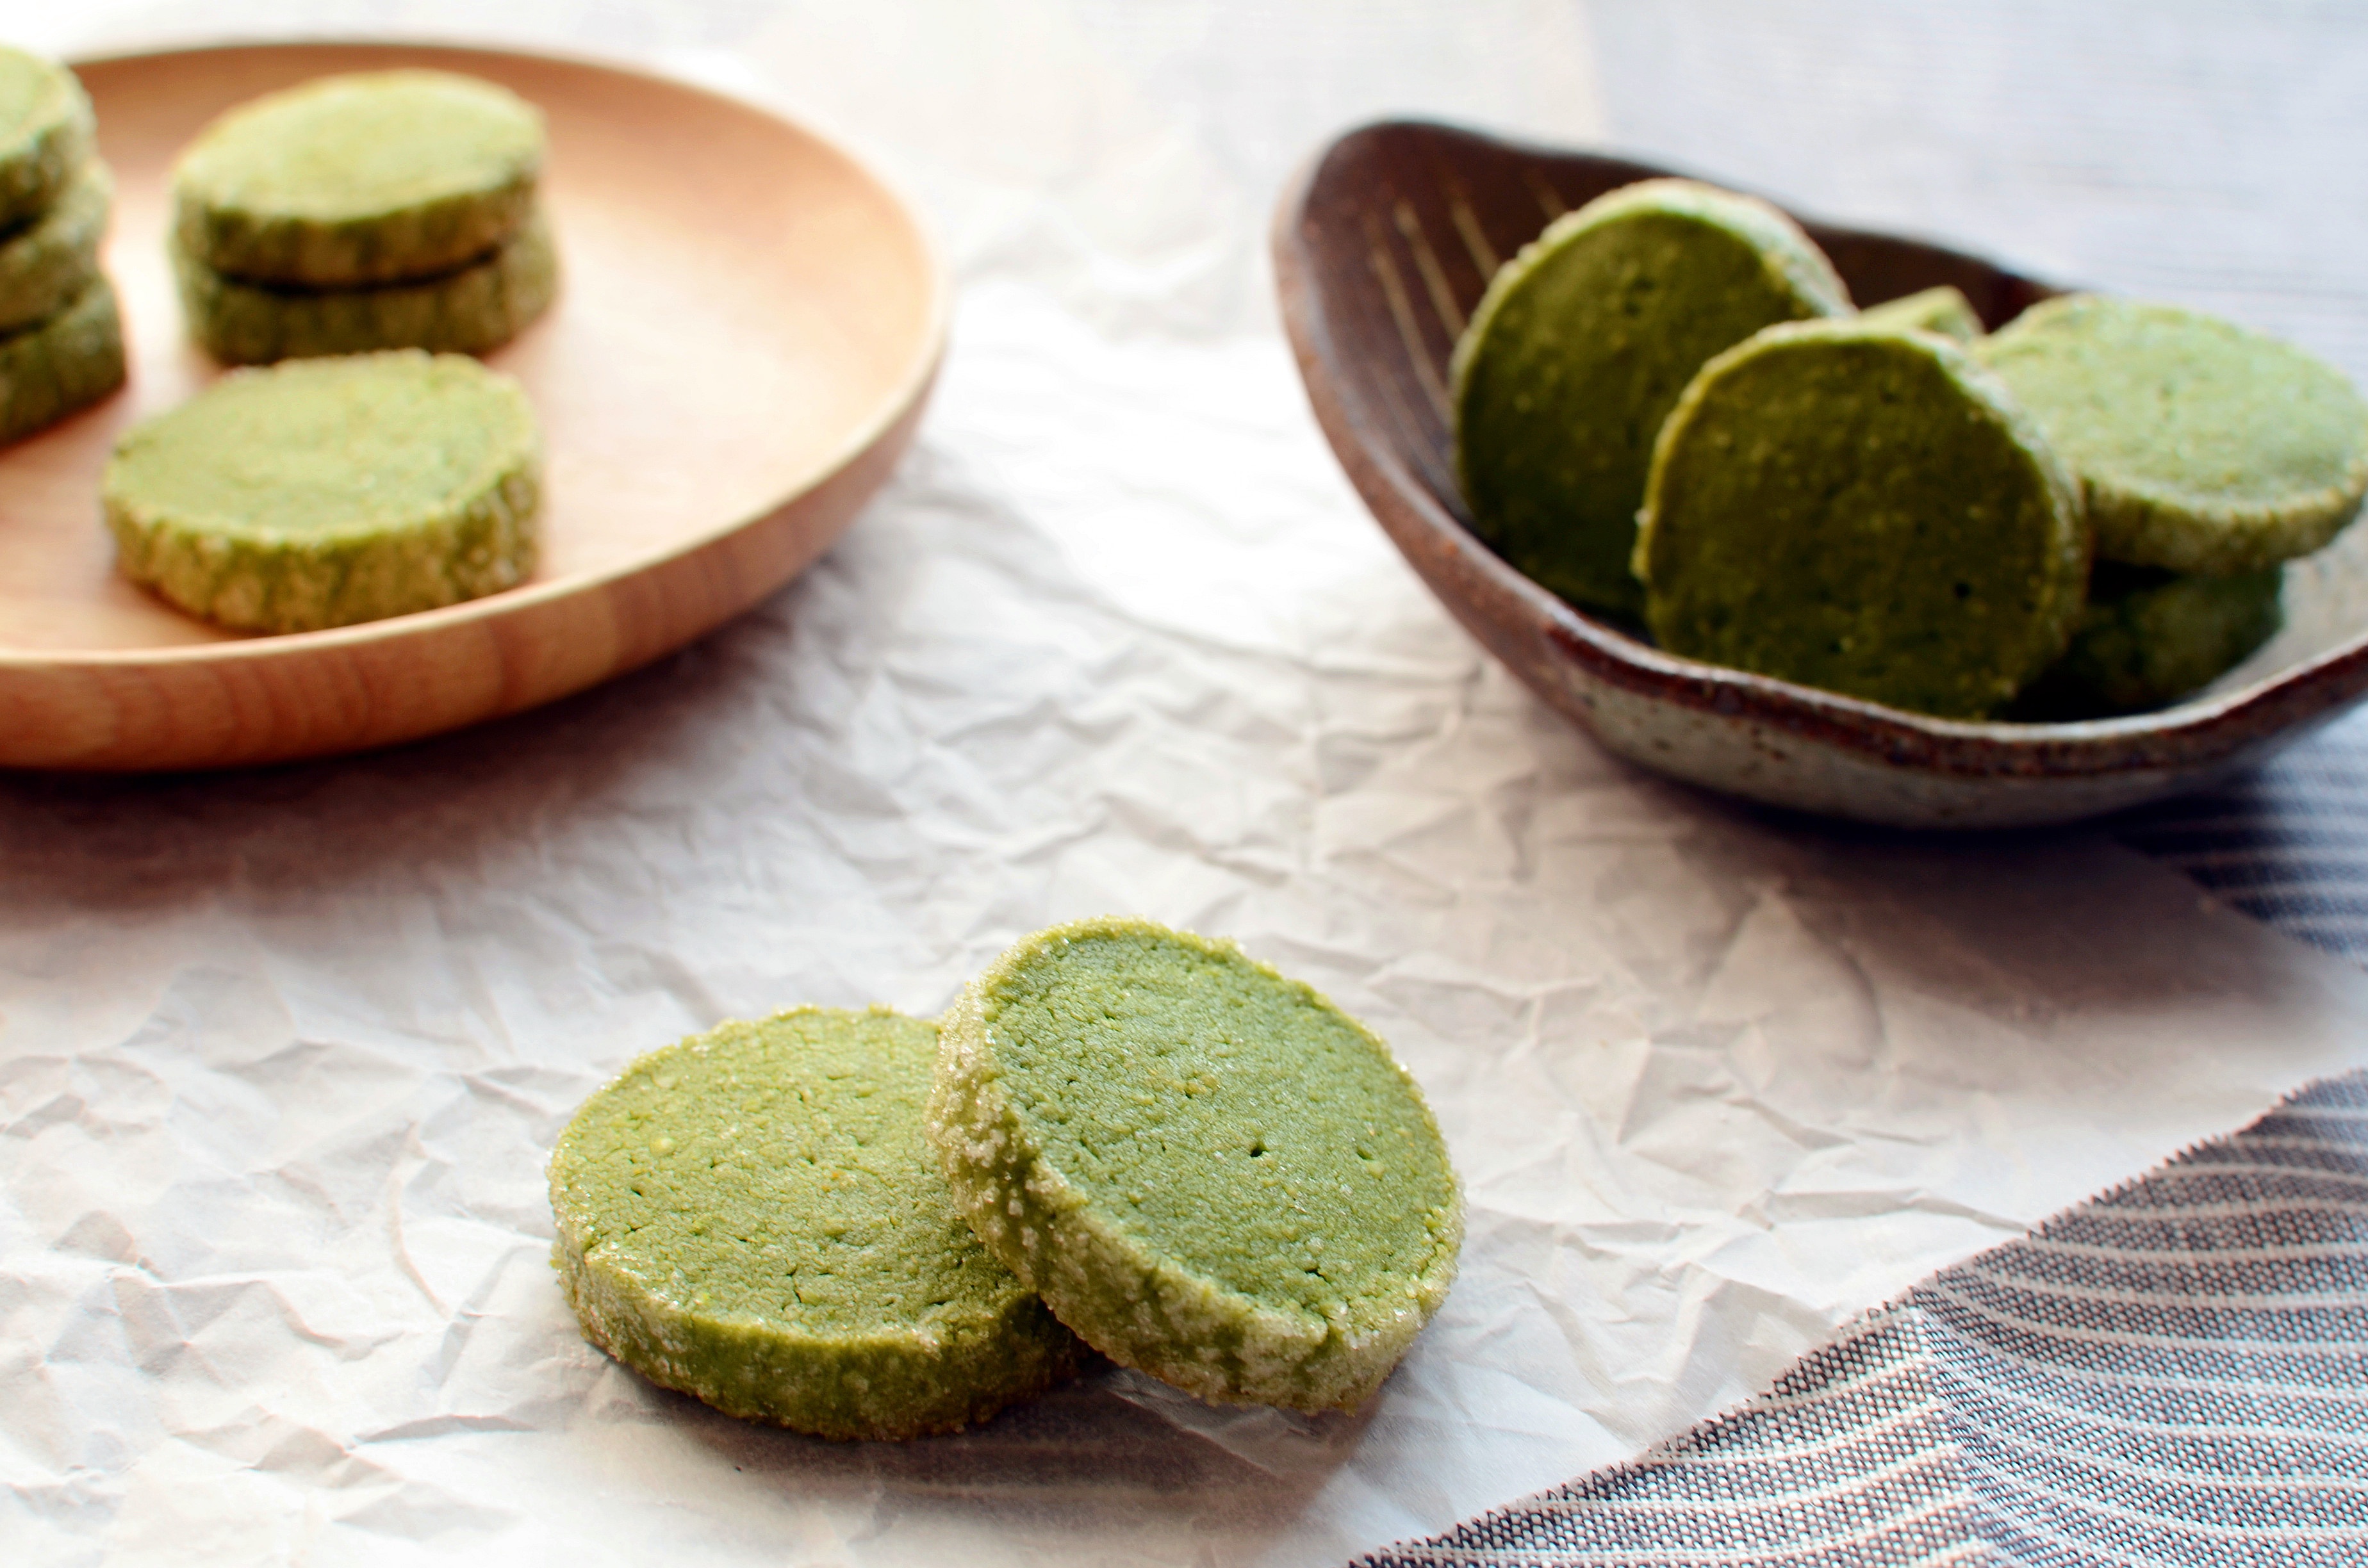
[[2174, 1373]]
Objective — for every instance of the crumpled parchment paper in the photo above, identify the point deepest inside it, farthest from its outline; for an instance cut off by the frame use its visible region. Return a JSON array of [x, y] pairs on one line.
[[281, 1054]]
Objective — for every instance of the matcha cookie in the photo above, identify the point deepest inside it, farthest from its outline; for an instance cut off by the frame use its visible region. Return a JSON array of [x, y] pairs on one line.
[[473, 311], [2201, 447], [1212, 1173], [375, 177], [323, 492], [45, 135], [47, 265], [1944, 309], [1579, 349], [1865, 511], [2148, 637], [751, 1216], [66, 363]]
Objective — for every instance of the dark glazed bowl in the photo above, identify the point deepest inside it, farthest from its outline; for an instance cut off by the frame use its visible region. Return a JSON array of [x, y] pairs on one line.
[[1382, 249]]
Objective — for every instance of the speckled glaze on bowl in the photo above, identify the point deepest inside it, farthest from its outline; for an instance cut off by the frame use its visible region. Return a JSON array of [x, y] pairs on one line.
[[1383, 247]]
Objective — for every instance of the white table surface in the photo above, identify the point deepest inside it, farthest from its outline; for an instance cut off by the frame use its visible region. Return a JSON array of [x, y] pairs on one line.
[[281, 1053]]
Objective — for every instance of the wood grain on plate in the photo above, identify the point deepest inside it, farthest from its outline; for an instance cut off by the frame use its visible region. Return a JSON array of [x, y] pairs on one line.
[[1382, 250], [747, 327]]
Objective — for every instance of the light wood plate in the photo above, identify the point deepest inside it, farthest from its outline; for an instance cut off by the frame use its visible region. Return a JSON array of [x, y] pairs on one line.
[[748, 326]]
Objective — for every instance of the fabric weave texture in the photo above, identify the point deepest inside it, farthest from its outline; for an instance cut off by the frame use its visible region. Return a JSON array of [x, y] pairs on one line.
[[2170, 1374]]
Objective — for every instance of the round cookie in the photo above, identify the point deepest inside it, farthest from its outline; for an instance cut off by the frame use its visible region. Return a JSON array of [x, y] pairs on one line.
[[1864, 511], [1211, 1173], [323, 492], [751, 1216], [473, 311], [2201, 447], [1944, 309], [2149, 637], [45, 133], [1580, 347], [66, 363], [373, 177], [46, 266]]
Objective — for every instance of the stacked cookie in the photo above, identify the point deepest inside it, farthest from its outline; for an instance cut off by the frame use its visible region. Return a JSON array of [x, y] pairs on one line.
[[1123, 1137], [61, 337], [1667, 412], [752, 1216], [380, 210], [2208, 456], [1861, 509], [1580, 350], [1210, 1171]]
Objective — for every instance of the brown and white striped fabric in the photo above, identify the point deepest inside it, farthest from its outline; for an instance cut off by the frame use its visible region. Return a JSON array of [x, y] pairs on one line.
[[2286, 843], [2175, 1374]]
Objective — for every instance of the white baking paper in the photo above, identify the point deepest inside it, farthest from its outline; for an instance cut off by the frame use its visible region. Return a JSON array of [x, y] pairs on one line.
[[282, 1055]]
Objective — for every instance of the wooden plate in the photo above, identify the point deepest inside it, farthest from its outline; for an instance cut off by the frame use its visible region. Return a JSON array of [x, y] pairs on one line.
[[1382, 250], [748, 326]]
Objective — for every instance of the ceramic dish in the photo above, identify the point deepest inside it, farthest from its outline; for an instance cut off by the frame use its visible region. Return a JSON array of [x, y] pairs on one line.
[[748, 325], [1382, 249]]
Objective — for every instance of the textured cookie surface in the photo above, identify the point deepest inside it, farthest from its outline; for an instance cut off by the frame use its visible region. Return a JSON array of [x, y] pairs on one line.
[[45, 133], [328, 491], [49, 264], [1579, 349], [1944, 309], [2149, 637], [372, 178], [751, 1216], [66, 363], [1864, 511], [1211, 1173], [2200, 445], [473, 311]]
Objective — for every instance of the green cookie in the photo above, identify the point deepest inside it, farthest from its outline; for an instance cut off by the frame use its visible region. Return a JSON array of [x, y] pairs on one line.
[[1212, 1173], [66, 363], [2201, 447], [46, 266], [473, 311], [45, 135], [1944, 309], [1578, 351], [2148, 637], [374, 177], [751, 1216], [1865, 511], [328, 491]]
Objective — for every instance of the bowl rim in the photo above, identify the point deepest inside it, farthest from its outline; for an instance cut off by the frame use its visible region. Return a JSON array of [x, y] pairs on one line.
[[1436, 542]]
